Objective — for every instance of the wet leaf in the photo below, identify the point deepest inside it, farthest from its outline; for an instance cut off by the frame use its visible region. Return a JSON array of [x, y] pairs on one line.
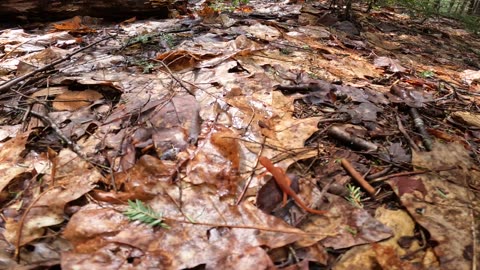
[[392, 64]]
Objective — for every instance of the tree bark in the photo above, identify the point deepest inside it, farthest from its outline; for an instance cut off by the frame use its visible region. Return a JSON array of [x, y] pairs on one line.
[[48, 10]]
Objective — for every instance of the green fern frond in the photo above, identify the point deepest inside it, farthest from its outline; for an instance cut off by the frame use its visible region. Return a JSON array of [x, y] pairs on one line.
[[137, 210], [354, 196]]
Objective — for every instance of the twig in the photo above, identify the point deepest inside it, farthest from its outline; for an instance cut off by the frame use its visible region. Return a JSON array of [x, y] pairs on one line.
[[380, 173], [49, 122], [420, 125], [316, 135], [250, 178], [404, 132], [351, 140], [174, 77], [380, 179], [251, 227], [14, 49], [5, 86], [22, 222], [358, 177]]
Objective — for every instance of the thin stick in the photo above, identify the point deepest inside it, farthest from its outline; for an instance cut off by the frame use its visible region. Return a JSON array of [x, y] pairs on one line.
[[5, 86], [251, 227], [247, 184], [386, 177], [49, 122], [22, 222], [358, 177], [174, 77]]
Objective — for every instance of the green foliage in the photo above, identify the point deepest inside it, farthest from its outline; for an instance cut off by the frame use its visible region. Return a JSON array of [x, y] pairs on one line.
[[432, 8], [239, 2], [143, 39], [354, 196], [222, 5], [427, 74], [169, 39], [472, 23], [418, 7], [286, 51], [139, 211], [146, 65], [351, 230]]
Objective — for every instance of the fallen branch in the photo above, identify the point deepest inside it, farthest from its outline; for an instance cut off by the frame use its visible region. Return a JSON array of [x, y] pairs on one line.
[[351, 140], [6, 86], [49, 122]]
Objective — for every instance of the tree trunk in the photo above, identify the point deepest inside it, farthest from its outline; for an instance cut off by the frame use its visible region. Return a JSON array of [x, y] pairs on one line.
[[450, 6], [42, 10], [476, 8], [471, 7], [462, 7], [436, 5]]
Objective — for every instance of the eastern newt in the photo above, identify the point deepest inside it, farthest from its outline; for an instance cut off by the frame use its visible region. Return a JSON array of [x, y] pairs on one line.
[[283, 181]]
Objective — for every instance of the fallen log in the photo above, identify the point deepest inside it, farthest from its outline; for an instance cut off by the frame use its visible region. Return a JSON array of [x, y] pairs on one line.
[[50, 10]]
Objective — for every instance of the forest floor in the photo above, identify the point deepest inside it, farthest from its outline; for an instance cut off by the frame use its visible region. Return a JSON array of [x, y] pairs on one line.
[[169, 143]]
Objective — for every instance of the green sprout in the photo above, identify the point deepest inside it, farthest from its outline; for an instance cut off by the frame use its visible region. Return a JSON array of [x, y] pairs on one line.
[[427, 74], [169, 39], [143, 39], [351, 230], [139, 211], [354, 196], [285, 51], [221, 5]]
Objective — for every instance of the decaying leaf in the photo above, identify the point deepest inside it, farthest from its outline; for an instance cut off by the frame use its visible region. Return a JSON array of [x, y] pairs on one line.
[[72, 180], [73, 100], [445, 205], [391, 64], [205, 235], [285, 81]]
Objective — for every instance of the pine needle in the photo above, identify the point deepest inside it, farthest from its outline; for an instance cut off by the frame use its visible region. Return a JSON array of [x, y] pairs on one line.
[[137, 210]]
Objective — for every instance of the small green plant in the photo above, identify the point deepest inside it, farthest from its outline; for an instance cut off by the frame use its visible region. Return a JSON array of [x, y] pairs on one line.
[[313, 76], [144, 39], [354, 196], [237, 3], [146, 65], [427, 74], [285, 51], [221, 5], [137, 210], [169, 39], [441, 193], [351, 230]]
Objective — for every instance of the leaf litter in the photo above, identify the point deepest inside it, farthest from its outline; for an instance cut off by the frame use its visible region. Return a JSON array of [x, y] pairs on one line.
[[168, 128]]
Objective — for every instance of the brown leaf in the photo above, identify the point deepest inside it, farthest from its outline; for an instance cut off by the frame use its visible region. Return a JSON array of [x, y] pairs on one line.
[[217, 161], [74, 26], [405, 184], [97, 231], [355, 226], [73, 100], [9, 157], [393, 65], [181, 59], [445, 210], [73, 181]]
